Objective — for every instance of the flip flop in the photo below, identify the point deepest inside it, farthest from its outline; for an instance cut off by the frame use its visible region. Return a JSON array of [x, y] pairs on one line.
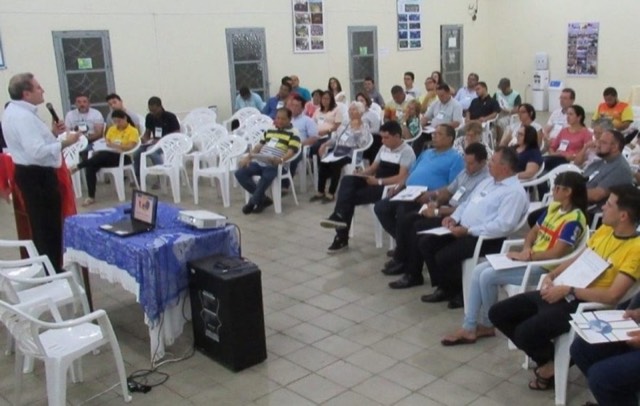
[[457, 341]]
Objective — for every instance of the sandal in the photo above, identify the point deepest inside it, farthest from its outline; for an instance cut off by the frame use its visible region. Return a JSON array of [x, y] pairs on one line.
[[541, 383]]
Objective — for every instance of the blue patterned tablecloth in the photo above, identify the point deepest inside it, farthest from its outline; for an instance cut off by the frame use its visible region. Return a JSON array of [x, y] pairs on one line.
[[157, 260]]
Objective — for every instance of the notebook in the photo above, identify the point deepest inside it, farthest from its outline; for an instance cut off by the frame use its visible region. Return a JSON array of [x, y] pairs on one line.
[[144, 207]]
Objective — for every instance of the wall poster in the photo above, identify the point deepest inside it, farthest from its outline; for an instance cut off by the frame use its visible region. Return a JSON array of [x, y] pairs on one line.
[[308, 26], [582, 49], [409, 24]]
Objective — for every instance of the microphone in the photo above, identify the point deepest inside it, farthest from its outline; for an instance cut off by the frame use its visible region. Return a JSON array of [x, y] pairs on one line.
[[53, 112]]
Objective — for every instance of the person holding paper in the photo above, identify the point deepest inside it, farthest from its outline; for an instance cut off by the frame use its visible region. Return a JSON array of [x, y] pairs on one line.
[[277, 146], [436, 205], [612, 369], [608, 267], [435, 168], [121, 137], [493, 210], [390, 167], [85, 119], [555, 235], [350, 136]]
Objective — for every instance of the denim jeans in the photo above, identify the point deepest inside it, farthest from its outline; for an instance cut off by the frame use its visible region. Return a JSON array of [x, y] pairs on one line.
[[612, 369], [156, 158], [483, 292], [245, 177]]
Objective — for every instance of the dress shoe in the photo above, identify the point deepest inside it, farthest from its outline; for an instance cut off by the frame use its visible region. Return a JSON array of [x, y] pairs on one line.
[[406, 281], [456, 301], [393, 267], [438, 296]]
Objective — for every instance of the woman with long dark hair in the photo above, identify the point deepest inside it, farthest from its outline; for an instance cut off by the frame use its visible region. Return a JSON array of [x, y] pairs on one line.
[[529, 155]]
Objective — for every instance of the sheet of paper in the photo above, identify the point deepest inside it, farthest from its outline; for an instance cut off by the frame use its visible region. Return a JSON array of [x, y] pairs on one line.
[[436, 231], [409, 194], [331, 158], [101, 145], [501, 261], [263, 158], [603, 326], [429, 129], [584, 270]]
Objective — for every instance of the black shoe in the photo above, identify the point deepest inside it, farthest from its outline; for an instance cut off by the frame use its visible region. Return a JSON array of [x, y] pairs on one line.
[[334, 221], [391, 253], [248, 208], [406, 281], [393, 267], [456, 301], [338, 245], [266, 202], [316, 198], [438, 296]]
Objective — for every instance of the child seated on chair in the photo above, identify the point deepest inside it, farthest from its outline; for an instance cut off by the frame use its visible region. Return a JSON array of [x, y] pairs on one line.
[[277, 146], [121, 137], [351, 136]]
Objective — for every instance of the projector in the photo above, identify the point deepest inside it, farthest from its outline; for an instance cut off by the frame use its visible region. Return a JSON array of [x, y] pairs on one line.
[[202, 219]]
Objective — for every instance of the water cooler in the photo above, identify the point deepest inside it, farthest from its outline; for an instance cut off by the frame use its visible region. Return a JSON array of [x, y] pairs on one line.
[[540, 82]]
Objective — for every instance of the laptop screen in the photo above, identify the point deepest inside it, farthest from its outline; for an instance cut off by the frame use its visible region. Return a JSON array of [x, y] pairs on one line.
[[144, 207]]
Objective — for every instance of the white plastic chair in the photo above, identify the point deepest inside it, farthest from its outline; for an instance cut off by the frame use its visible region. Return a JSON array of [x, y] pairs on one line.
[[549, 177], [197, 118], [174, 147], [356, 157], [220, 157], [203, 138], [117, 172], [241, 115], [71, 156], [470, 263], [376, 108], [60, 344], [276, 185], [260, 121], [378, 231]]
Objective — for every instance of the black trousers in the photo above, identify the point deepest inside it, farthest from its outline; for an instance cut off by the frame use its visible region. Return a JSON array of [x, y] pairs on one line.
[[41, 195], [444, 255], [99, 160], [407, 251], [389, 212], [531, 323], [354, 191], [330, 171]]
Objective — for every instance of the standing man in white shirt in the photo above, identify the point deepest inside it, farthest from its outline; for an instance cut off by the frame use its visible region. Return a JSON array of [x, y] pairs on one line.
[[466, 95], [558, 118], [85, 119], [36, 153]]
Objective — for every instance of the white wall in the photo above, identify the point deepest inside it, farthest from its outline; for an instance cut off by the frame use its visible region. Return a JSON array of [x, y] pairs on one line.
[[177, 50]]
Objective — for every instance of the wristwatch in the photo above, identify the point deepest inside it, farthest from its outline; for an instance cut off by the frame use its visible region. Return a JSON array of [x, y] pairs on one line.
[[571, 296]]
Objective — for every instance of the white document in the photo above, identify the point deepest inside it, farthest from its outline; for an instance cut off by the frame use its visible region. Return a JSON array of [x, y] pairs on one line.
[[501, 261], [428, 129], [101, 145], [409, 194], [263, 158], [436, 231], [584, 270], [332, 158], [602, 326]]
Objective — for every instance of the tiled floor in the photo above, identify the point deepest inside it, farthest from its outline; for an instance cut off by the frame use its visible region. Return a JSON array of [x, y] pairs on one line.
[[336, 335]]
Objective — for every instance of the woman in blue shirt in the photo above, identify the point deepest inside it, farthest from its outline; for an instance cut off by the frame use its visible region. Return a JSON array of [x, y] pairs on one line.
[[529, 155]]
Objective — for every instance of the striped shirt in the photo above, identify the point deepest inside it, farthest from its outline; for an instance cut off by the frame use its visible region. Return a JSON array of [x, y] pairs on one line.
[[277, 142]]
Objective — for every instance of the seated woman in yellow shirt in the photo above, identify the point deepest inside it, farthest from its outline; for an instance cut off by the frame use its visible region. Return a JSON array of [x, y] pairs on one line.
[[121, 137]]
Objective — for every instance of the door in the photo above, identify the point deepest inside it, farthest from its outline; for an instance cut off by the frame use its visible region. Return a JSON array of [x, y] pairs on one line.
[[363, 57], [247, 56], [451, 55], [84, 66]]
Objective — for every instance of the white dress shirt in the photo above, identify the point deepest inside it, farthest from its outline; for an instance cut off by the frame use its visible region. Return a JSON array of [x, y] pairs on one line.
[[494, 209], [558, 121], [28, 139]]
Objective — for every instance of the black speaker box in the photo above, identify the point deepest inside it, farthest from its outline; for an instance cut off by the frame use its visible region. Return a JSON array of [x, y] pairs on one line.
[[227, 312]]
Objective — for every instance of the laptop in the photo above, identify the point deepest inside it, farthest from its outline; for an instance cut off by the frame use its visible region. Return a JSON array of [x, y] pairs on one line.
[[144, 207]]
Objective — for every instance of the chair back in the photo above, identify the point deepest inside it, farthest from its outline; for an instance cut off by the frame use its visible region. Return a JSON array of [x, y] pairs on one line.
[[227, 148], [174, 146], [198, 117], [251, 135], [71, 154], [261, 121], [207, 135], [23, 328]]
